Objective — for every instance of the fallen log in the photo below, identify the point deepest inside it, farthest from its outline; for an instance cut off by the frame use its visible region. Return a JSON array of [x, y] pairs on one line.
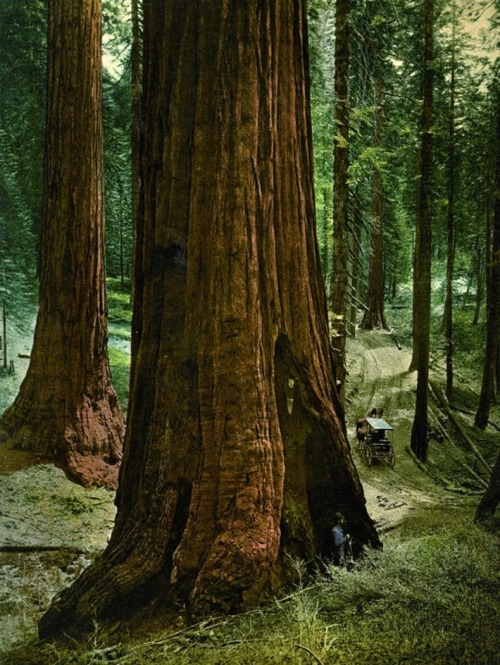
[[473, 413], [441, 481], [26, 549], [469, 469], [443, 402], [424, 468]]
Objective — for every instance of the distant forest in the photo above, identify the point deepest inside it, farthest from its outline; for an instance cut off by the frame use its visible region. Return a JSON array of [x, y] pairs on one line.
[[385, 79]]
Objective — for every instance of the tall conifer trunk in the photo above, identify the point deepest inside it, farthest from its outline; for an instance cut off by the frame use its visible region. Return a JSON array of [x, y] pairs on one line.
[[448, 304], [135, 127], [235, 449], [374, 316], [340, 261], [422, 264], [66, 407], [492, 349]]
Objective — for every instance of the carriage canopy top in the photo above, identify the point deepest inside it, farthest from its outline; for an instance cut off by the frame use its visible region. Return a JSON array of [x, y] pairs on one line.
[[379, 423]]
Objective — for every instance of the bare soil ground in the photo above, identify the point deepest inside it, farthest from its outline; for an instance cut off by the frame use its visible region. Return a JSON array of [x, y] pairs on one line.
[[51, 528]]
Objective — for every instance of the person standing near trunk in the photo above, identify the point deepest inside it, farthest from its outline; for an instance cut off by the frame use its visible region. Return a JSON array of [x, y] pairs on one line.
[[339, 540]]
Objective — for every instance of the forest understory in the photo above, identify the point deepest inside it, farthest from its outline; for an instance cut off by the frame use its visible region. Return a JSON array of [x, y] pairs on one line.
[[431, 595]]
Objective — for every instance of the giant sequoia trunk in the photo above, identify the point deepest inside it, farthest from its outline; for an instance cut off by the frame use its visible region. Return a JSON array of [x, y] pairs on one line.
[[235, 451], [340, 263], [66, 407], [422, 263]]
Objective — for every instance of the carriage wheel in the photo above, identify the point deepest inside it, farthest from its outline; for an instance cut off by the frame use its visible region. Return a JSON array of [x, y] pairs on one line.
[[391, 460], [369, 455]]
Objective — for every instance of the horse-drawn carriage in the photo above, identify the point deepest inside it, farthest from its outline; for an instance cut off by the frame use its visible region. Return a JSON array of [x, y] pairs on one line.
[[374, 440]]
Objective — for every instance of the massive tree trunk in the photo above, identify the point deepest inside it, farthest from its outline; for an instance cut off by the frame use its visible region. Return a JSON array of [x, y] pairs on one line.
[[66, 407], [374, 316], [340, 262], [422, 263], [235, 450], [492, 350]]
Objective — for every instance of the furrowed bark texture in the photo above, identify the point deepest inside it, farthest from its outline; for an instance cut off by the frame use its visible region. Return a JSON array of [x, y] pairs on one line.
[[218, 477], [67, 407]]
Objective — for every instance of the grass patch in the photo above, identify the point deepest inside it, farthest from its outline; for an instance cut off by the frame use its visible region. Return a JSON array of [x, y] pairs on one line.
[[119, 362], [121, 332], [119, 325], [119, 305], [431, 600]]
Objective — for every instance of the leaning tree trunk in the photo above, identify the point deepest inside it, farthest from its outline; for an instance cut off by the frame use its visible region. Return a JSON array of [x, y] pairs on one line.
[[235, 452], [422, 265], [374, 316], [66, 407], [340, 261]]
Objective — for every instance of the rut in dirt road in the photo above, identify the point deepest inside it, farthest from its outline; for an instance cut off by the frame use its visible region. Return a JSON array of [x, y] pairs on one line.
[[379, 376]]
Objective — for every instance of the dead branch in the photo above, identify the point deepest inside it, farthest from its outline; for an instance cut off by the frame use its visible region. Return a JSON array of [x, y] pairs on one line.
[[311, 653], [469, 469], [422, 466], [21, 549]]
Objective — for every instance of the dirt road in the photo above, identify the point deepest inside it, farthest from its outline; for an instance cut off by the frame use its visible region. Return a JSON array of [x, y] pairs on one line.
[[403, 498]]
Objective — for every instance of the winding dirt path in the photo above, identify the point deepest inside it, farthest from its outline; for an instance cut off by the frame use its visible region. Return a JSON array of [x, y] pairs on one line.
[[402, 497]]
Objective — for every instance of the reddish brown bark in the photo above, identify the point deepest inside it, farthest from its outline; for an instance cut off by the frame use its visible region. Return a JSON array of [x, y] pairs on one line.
[[220, 476], [66, 407]]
